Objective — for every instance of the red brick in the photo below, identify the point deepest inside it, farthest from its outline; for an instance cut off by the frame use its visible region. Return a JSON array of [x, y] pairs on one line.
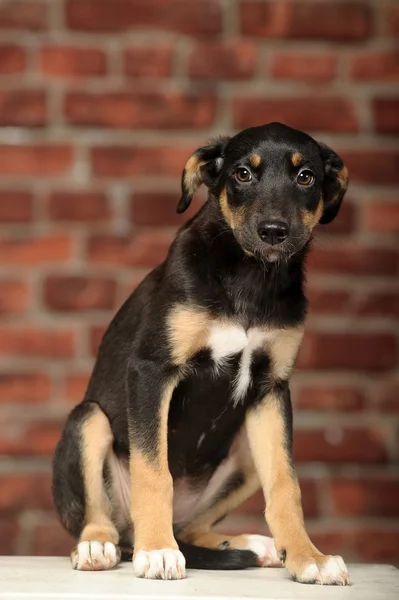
[[360, 545], [8, 535], [12, 59], [378, 546], [123, 161], [329, 301], [121, 15], [359, 351], [73, 293], [223, 60], [382, 216], [310, 67], [381, 303], [344, 222], [354, 260], [96, 335], [149, 60], [26, 108], [372, 497], [333, 20], [31, 251], [146, 249], [372, 166], [386, 114], [388, 397], [392, 18], [30, 440], [330, 398], [70, 61], [159, 209], [37, 342], [15, 297], [75, 386], [256, 504], [376, 65], [35, 160], [338, 445], [23, 15], [15, 207], [314, 113], [50, 539], [25, 490], [81, 206], [24, 387], [141, 110]]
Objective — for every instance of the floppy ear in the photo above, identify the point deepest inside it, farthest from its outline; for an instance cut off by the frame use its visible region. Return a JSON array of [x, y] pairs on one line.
[[335, 183], [203, 166]]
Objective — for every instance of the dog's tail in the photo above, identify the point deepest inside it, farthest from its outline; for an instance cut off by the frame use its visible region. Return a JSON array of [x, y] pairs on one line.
[[223, 560], [212, 559]]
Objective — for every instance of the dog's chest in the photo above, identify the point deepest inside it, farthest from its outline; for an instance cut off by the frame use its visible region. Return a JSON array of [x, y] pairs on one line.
[[227, 341]]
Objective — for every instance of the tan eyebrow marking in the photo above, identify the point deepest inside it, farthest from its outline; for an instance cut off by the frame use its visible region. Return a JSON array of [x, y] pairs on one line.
[[296, 159], [255, 160]]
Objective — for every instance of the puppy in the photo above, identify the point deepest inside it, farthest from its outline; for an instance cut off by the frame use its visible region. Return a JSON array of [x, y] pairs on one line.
[[188, 409]]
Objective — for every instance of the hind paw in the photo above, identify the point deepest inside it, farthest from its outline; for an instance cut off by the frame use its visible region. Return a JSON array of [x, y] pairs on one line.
[[264, 548]]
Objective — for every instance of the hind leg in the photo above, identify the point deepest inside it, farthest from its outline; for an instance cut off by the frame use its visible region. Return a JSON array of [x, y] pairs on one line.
[[80, 492]]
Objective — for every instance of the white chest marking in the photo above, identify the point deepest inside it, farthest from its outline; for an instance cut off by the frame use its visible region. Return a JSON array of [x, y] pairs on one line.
[[227, 340]]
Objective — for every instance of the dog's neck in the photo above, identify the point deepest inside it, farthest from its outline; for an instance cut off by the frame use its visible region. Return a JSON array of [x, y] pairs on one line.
[[257, 288]]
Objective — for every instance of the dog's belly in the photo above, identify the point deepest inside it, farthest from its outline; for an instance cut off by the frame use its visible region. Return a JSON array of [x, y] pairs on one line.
[[190, 497]]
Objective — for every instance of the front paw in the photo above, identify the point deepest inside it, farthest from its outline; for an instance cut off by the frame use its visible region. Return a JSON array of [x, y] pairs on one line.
[[159, 564], [320, 569]]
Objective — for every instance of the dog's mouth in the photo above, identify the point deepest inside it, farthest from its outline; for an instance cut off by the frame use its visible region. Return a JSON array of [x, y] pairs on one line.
[[278, 254]]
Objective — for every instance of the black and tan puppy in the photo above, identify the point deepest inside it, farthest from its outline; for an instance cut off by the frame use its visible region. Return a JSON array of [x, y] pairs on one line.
[[188, 409]]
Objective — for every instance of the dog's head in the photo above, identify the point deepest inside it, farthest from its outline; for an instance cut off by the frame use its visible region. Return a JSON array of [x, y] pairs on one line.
[[273, 185]]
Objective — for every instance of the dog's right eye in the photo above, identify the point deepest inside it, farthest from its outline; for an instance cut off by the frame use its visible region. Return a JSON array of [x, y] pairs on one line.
[[243, 175]]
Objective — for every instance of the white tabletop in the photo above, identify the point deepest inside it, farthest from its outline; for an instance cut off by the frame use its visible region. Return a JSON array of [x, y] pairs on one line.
[[26, 578]]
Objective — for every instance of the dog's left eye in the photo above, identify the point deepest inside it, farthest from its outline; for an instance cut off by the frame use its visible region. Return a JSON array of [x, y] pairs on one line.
[[243, 175], [305, 177]]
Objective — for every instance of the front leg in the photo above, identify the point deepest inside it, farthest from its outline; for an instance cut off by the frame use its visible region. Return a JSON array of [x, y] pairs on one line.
[[156, 554], [269, 427]]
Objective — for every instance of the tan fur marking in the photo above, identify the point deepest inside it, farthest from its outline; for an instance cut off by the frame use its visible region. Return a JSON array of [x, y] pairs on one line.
[[96, 443], [234, 216], [212, 539], [192, 173], [100, 533], [343, 177], [188, 331], [283, 350], [296, 159], [152, 489], [255, 160], [309, 218], [267, 437]]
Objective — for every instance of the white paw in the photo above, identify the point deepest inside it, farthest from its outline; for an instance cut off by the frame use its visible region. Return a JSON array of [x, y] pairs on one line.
[[332, 571], [95, 556], [265, 549], [159, 564]]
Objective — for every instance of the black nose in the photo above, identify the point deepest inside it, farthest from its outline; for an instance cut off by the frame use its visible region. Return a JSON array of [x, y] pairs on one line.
[[273, 232]]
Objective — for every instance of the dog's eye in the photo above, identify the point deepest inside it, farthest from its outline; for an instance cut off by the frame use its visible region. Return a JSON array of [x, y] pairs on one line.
[[305, 177], [243, 175]]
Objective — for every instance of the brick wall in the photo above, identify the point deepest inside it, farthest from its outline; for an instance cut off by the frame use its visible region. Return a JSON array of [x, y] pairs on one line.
[[101, 102]]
